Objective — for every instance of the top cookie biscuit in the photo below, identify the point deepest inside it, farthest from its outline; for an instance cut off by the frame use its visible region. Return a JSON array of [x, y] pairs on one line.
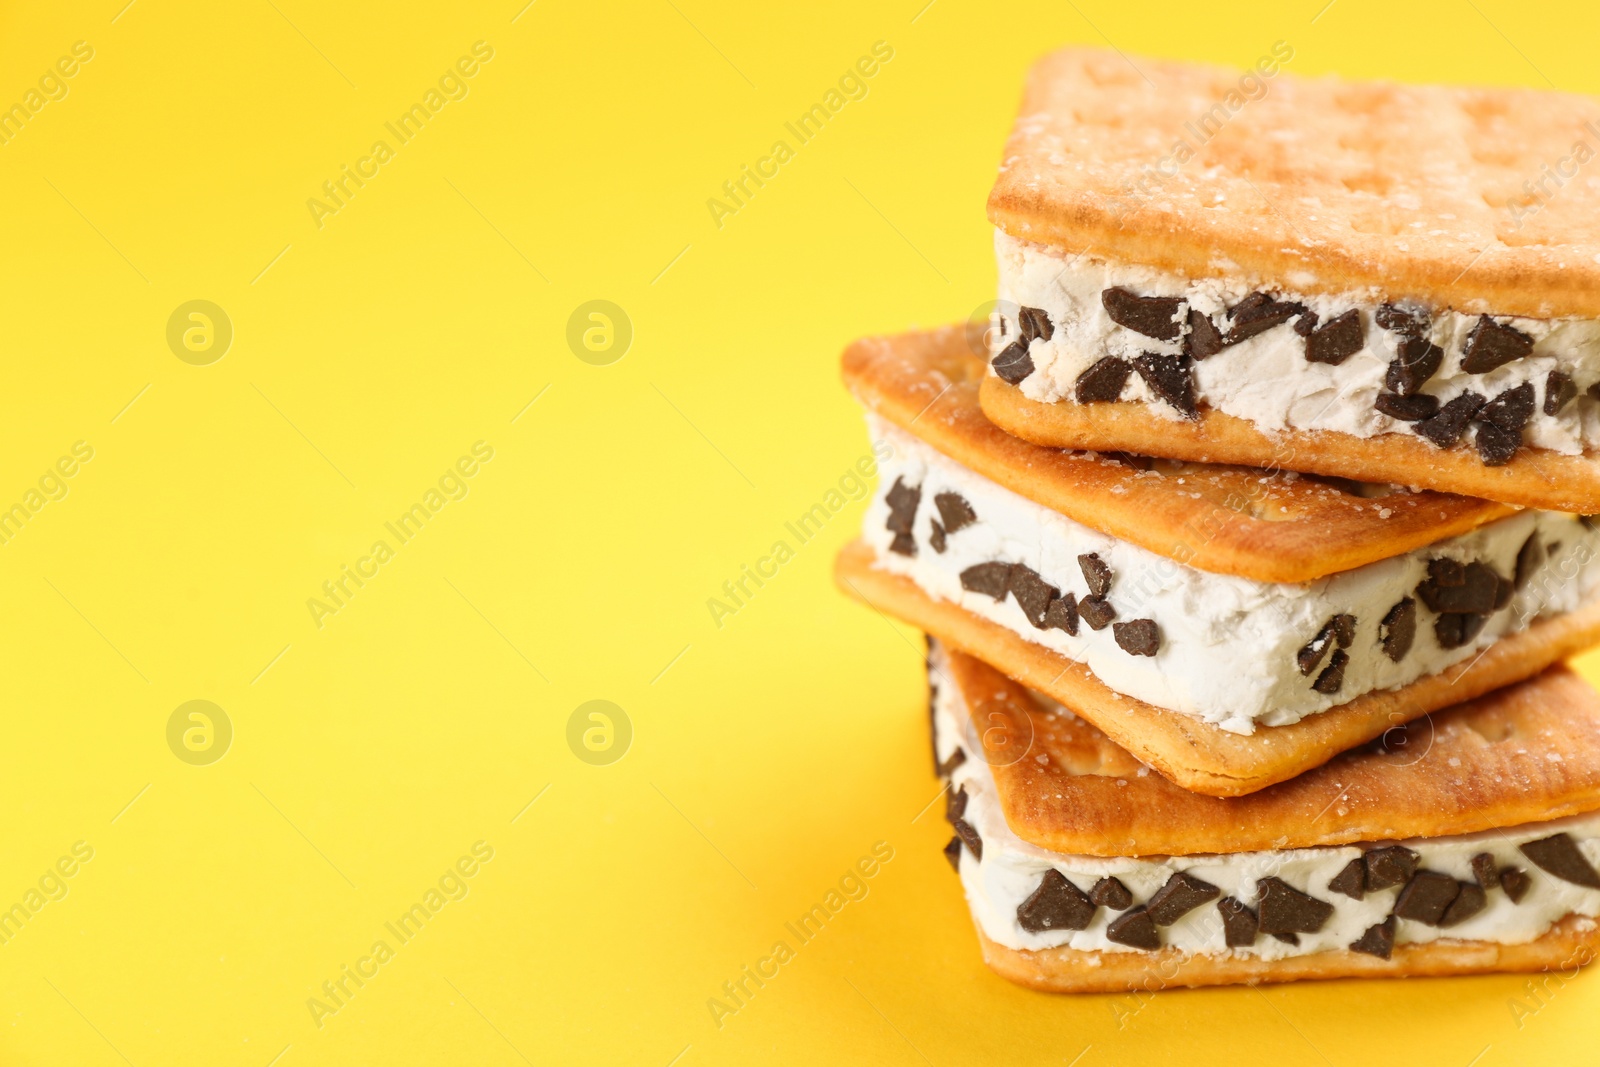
[[1458, 197]]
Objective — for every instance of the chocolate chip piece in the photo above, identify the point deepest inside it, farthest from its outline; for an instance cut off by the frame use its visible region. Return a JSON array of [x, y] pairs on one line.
[[1258, 313], [1593, 392], [1516, 883], [1181, 895], [1096, 612], [1287, 939], [955, 804], [1351, 881], [1141, 637], [1495, 445], [1096, 573], [936, 536], [1056, 905], [902, 500], [1284, 909], [957, 758], [1427, 897], [1332, 677], [1033, 594], [1153, 316], [1110, 893], [1453, 631], [969, 837], [1475, 592], [1502, 592], [1203, 339], [1013, 364], [1416, 360], [904, 544], [1102, 382], [1340, 630], [988, 578], [1529, 557], [1559, 855], [1398, 629], [1239, 924], [1559, 391], [952, 852], [1035, 322], [1335, 340], [955, 511], [1172, 379], [1413, 408], [1306, 324], [1469, 901], [1390, 866], [1509, 410], [1062, 614], [1485, 870], [1407, 322], [1493, 344], [1134, 929], [1446, 428], [1377, 941], [1446, 571]]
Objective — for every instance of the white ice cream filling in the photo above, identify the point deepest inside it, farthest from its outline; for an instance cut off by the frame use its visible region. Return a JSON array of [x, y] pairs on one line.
[[1266, 379], [1011, 870], [1228, 644]]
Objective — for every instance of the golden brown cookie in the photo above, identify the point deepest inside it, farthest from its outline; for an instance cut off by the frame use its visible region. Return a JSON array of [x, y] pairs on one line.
[[1198, 756]]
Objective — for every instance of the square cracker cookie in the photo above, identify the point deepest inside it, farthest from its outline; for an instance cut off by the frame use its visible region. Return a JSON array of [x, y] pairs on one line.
[[1198, 756], [1526, 753], [1322, 185], [1254, 523]]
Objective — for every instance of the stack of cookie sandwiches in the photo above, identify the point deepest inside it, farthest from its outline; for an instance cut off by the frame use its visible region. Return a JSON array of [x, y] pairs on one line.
[[1250, 533]]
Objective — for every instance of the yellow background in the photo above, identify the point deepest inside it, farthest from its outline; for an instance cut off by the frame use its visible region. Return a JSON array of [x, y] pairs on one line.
[[369, 754]]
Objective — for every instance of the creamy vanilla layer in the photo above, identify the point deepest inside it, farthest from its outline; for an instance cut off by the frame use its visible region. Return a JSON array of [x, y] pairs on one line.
[[1229, 648], [1267, 379], [1011, 870]]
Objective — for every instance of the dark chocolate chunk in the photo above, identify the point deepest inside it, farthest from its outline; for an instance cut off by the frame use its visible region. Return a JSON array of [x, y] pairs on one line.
[[1502, 592], [1351, 881], [1284, 909], [1413, 408], [957, 758], [1095, 573], [990, 578], [1377, 941], [1239, 923], [1474, 593], [1447, 572], [1110, 893], [1593, 392], [1453, 631], [1134, 929], [1493, 344], [1529, 557], [1153, 316], [1510, 410], [1332, 677], [1204, 339], [1416, 360], [1287, 939], [1141, 637], [1056, 905], [1446, 428], [1559, 855], [904, 544], [1309, 658], [1469, 901], [1407, 322], [936, 536], [1258, 313], [1495, 445], [1172, 379], [969, 837], [1013, 364], [1035, 322], [1344, 630], [1485, 870], [1398, 629], [1559, 391], [902, 500], [1033, 594], [1306, 324], [1335, 340], [955, 804], [1181, 895], [1062, 614], [955, 511], [952, 852], [1390, 866], [1427, 897], [1103, 381], [1516, 883], [1096, 611]]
